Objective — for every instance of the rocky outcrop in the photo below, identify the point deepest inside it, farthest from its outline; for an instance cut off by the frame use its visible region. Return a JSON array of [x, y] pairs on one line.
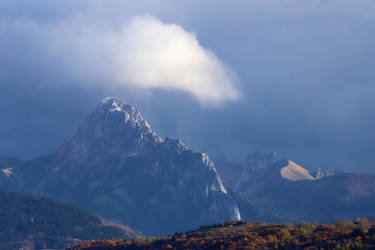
[[116, 166]]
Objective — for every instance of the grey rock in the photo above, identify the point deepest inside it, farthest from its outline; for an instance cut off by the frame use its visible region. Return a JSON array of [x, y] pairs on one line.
[[116, 166], [321, 173]]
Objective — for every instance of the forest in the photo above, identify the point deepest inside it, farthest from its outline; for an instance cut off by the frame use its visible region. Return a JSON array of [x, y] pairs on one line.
[[343, 234], [40, 222]]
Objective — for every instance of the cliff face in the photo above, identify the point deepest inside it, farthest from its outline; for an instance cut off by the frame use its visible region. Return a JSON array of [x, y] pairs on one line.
[[116, 166]]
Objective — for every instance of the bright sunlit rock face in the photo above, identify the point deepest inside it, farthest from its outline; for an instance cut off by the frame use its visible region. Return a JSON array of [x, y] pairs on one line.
[[295, 172], [7, 171]]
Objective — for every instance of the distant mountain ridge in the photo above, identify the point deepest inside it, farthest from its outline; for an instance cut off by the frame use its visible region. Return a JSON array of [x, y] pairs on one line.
[[116, 166], [279, 190], [258, 168]]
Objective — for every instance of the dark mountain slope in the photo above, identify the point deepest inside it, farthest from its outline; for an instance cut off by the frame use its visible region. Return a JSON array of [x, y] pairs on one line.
[[35, 223], [274, 190], [116, 166]]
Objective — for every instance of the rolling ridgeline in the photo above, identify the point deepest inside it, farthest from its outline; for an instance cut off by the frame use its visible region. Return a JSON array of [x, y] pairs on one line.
[[118, 168], [28, 222]]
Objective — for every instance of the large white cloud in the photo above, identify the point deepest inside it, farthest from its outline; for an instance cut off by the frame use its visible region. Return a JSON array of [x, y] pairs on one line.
[[145, 53], [157, 55]]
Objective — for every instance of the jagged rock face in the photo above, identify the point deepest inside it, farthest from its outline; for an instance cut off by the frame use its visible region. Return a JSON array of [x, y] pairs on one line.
[[7, 166], [294, 172], [114, 128], [321, 173], [230, 172], [116, 166]]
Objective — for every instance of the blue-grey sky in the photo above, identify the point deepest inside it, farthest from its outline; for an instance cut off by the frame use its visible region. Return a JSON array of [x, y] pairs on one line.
[[292, 76]]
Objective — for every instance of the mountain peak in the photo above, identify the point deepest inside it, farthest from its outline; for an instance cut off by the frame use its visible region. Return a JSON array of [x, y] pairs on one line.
[[115, 126], [108, 99], [125, 171], [113, 104], [131, 115], [294, 172]]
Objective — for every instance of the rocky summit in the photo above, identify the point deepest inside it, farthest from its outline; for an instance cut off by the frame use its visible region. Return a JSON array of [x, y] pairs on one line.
[[117, 167]]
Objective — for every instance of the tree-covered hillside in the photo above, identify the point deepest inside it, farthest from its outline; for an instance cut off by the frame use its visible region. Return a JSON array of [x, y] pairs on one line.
[[35, 223], [344, 234]]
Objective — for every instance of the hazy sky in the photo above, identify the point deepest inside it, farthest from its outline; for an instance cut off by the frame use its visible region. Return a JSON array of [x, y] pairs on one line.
[[291, 76]]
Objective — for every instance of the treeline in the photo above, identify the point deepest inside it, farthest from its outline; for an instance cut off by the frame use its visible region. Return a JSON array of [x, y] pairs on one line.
[[27, 221], [344, 234]]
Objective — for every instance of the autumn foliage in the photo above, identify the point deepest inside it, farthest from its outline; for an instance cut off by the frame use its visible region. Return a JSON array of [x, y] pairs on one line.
[[344, 234]]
